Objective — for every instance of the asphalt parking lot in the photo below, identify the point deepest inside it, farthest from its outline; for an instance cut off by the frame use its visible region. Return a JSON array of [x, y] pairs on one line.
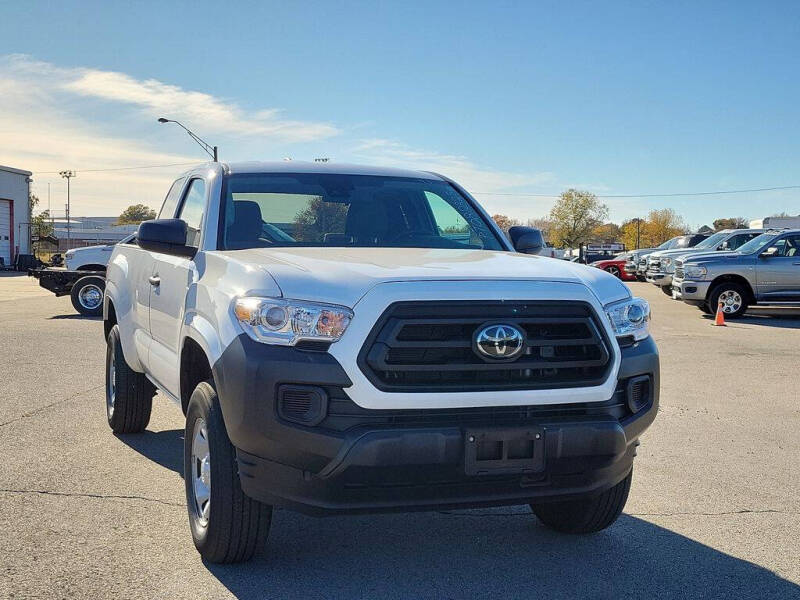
[[714, 510]]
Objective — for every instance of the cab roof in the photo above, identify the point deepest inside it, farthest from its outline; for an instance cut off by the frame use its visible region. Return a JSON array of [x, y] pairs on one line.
[[296, 166]]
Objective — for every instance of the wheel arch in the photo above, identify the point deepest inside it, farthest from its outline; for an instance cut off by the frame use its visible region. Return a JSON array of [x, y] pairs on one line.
[[199, 351], [92, 267], [732, 278]]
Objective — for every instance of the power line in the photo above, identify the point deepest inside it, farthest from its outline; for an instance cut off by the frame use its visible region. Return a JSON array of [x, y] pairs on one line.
[[118, 168], [667, 195], [511, 194]]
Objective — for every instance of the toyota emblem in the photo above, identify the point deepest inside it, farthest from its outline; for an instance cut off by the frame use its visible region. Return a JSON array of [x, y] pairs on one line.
[[500, 341]]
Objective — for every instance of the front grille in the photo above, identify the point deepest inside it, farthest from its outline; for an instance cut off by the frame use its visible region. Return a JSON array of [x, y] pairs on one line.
[[678, 272], [428, 346], [655, 263]]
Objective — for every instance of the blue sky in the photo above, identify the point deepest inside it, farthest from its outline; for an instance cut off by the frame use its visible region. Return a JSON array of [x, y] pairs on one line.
[[507, 97]]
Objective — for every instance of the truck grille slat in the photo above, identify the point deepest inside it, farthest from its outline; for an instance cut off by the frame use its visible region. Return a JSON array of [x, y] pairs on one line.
[[428, 346]]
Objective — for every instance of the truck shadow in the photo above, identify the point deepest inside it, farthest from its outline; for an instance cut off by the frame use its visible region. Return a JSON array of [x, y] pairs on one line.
[[75, 316], [496, 553], [777, 319], [164, 448]]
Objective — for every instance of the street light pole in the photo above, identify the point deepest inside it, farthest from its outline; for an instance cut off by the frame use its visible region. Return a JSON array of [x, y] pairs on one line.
[[67, 175], [210, 150]]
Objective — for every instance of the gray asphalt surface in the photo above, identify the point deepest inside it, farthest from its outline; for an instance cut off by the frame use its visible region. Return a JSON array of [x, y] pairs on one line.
[[713, 511]]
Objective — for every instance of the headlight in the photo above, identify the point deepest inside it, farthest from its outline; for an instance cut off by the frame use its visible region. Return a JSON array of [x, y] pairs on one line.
[[286, 322], [695, 272], [69, 253], [630, 317], [666, 262]]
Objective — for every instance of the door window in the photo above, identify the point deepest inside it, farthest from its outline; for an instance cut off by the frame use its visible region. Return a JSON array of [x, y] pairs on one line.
[[171, 201], [192, 211]]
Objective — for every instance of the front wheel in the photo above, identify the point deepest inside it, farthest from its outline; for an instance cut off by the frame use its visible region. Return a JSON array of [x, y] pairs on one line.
[[733, 298], [614, 271], [667, 289], [226, 525], [586, 514]]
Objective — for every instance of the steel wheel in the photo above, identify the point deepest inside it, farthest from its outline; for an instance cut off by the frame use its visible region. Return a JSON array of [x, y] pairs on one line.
[[90, 297], [731, 301], [201, 474]]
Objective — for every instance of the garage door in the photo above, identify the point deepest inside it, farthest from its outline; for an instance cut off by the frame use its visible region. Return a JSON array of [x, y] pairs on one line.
[[5, 230]]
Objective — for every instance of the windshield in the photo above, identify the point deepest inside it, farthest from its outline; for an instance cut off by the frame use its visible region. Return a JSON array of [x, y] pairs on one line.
[[322, 209], [668, 244], [756, 243], [712, 241]]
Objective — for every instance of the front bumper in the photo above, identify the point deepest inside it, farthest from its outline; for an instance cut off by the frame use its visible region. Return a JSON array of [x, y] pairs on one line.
[[691, 292], [365, 460], [659, 278]]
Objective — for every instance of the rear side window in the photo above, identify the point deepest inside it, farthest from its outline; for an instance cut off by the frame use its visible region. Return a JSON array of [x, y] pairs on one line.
[[192, 211], [171, 201], [738, 240]]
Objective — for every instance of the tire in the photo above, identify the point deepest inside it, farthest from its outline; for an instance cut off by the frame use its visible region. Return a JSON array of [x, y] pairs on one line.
[[129, 395], [614, 271], [641, 278], [229, 527], [87, 295], [587, 514], [667, 289], [704, 308], [734, 297]]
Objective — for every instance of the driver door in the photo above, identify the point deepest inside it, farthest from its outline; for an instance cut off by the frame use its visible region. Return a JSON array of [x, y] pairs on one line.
[[778, 276]]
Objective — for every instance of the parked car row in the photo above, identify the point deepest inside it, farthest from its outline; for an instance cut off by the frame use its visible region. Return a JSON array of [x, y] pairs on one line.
[[734, 268]]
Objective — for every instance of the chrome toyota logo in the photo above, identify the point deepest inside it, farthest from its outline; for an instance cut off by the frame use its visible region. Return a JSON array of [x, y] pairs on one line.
[[500, 341]]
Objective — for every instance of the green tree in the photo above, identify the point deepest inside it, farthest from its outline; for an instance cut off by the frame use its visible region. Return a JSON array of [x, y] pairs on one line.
[[731, 223], [135, 214], [318, 218], [41, 225], [575, 215]]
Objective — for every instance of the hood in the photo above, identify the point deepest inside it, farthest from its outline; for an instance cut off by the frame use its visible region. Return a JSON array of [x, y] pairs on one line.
[[709, 256], [344, 275], [678, 252], [73, 251]]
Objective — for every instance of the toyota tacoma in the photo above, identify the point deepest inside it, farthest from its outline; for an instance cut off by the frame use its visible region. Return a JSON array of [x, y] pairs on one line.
[[348, 339]]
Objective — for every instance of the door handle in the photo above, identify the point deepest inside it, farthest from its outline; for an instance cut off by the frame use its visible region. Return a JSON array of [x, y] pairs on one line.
[[154, 280]]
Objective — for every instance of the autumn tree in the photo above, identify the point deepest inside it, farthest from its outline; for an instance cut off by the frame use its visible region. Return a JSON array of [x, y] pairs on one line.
[[731, 223], [575, 215], [505, 223], [661, 225], [607, 232], [544, 225], [135, 214]]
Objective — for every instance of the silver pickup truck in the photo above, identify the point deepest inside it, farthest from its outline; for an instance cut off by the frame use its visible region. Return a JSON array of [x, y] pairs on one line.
[[765, 270]]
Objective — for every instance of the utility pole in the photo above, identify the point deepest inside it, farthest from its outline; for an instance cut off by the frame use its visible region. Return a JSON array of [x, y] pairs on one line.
[[67, 175], [638, 233]]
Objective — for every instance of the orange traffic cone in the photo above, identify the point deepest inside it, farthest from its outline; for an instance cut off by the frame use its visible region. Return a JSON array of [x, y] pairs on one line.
[[719, 320]]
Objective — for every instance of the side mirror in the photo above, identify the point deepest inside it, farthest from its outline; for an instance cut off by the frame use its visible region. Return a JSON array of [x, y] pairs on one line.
[[769, 252], [167, 236], [526, 240]]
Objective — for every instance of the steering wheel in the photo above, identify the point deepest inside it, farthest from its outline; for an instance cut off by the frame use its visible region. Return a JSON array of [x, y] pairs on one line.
[[409, 234]]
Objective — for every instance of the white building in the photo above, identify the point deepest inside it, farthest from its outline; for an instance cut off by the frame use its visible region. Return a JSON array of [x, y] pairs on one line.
[[15, 213]]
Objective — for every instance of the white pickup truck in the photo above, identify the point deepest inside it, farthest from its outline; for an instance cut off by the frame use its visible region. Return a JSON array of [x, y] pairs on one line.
[[348, 339], [91, 258]]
